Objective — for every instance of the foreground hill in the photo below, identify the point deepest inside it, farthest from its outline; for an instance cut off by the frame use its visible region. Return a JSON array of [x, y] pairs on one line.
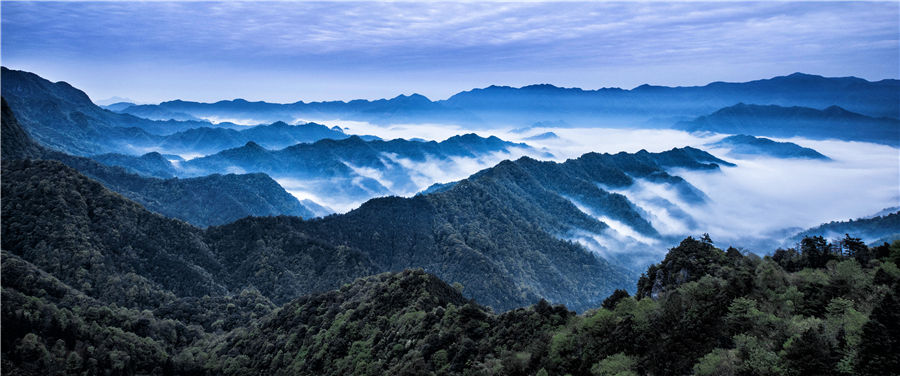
[[716, 312], [712, 312], [776, 121], [203, 201], [114, 249]]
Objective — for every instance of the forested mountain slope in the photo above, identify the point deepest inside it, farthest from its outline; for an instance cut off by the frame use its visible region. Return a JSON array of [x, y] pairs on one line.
[[154, 295], [203, 201]]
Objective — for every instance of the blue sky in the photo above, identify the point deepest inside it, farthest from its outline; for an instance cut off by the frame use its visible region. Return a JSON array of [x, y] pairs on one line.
[[289, 51]]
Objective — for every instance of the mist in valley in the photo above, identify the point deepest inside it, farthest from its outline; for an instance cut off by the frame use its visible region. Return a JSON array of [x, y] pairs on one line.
[[755, 205]]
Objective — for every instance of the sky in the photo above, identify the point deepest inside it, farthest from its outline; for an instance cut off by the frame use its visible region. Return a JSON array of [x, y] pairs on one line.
[[289, 51]]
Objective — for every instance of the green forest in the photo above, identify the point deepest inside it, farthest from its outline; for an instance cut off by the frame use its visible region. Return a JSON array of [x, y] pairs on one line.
[[825, 308]]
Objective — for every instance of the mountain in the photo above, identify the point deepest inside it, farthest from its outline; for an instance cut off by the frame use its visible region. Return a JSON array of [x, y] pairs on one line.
[[345, 172], [498, 232], [283, 257], [645, 105], [203, 201], [542, 137], [277, 135], [55, 218], [747, 145], [400, 109], [873, 230], [777, 121], [62, 117], [117, 106], [93, 283], [438, 328], [507, 233], [152, 112], [151, 164]]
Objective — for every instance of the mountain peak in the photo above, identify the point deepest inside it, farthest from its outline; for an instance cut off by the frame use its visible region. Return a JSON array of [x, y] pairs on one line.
[[279, 124], [253, 145], [412, 98]]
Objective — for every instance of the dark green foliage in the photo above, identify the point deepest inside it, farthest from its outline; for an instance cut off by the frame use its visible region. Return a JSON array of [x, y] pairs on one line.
[[812, 354], [690, 261], [880, 347], [612, 300], [50, 328]]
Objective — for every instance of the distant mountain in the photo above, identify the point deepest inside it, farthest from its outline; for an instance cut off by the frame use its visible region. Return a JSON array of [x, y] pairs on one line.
[[776, 121], [203, 201], [545, 104], [749, 146], [62, 117], [151, 164], [352, 170], [400, 109], [117, 106], [542, 137], [152, 112], [872, 230]]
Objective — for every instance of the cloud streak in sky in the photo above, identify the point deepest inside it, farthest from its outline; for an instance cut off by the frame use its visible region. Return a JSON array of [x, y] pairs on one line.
[[316, 50]]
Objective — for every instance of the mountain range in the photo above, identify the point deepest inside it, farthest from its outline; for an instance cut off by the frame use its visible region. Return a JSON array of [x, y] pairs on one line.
[[202, 201], [645, 105], [121, 264], [63, 118], [498, 232]]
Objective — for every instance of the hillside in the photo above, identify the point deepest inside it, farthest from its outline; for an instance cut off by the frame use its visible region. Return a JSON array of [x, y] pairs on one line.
[[498, 233], [154, 295], [727, 317], [203, 201]]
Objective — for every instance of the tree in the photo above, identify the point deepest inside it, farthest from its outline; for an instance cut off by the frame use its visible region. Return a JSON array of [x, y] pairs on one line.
[[854, 247], [880, 345], [615, 298], [815, 251]]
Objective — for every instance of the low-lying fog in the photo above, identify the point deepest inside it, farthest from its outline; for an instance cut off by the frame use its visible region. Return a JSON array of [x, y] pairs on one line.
[[761, 200]]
